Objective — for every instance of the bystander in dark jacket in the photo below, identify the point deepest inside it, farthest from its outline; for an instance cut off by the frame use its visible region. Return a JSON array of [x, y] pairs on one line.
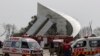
[[51, 48], [67, 49]]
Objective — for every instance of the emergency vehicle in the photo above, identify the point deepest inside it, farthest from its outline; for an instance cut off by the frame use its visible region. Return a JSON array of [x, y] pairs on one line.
[[86, 46], [19, 46]]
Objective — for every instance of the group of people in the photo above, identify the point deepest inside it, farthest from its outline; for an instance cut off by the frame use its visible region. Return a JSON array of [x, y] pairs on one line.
[[60, 48]]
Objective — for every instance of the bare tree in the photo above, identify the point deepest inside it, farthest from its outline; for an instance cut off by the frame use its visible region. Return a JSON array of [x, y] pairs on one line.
[[22, 30], [86, 31], [2, 30], [97, 31], [14, 29], [9, 30]]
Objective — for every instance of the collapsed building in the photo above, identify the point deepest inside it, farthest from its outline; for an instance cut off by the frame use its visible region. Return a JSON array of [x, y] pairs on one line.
[[52, 22]]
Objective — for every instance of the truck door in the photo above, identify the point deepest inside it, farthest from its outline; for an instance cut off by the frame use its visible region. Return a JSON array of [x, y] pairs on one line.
[[95, 46], [25, 50], [15, 48], [80, 47]]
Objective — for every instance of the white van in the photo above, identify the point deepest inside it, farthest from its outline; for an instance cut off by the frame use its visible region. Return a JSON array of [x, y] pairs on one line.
[[86, 46], [18, 46]]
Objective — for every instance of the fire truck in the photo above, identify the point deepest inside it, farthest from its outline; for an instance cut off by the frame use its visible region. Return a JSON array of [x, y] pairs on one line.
[[88, 46]]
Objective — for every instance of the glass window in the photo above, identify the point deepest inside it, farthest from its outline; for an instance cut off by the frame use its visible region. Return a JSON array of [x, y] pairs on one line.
[[34, 45], [7, 44], [15, 44], [94, 43], [80, 44], [24, 45]]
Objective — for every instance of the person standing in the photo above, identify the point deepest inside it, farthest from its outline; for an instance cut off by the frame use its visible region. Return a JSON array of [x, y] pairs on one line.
[[60, 52], [66, 48], [1, 44], [51, 48], [42, 44]]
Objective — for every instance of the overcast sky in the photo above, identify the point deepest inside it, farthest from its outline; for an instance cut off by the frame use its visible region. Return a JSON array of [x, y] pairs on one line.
[[19, 12]]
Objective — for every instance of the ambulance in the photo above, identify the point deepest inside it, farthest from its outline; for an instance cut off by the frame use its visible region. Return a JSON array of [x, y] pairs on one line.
[[89, 46], [19, 46]]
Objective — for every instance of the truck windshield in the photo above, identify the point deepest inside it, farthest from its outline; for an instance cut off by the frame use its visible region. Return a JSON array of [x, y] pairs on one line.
[[34, 45]]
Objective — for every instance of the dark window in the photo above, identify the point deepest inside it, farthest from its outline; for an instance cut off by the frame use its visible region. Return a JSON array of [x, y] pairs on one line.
[[80, 44], [94, 43], [24, 45]]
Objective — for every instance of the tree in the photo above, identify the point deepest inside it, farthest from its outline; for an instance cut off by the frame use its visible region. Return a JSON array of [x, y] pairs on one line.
[[25, 29], [9, 29], [14, 29], [97, 31], [34, 19], [2, 30], [86, 31]]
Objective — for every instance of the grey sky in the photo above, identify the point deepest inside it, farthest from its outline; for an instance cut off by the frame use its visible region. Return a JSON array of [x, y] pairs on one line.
[[19, 12]]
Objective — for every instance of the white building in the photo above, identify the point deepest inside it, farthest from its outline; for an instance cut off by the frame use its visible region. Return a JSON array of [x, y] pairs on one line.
[[49, 20]]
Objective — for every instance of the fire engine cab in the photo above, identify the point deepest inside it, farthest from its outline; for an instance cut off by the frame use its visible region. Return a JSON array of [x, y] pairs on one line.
[[19, 46], [86, 46]]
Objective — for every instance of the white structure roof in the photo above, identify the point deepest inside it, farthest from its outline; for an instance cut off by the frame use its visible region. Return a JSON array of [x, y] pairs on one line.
[[44, 11]]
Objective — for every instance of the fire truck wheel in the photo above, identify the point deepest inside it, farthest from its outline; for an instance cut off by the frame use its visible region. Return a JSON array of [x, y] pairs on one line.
[[6, 54], [81, 55]]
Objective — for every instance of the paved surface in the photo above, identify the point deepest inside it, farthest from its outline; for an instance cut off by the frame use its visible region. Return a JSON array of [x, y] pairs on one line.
[[46, 53], [0, 52]]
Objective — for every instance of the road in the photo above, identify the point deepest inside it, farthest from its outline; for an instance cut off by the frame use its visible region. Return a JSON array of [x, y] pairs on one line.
[[45, 52], [0, 52]]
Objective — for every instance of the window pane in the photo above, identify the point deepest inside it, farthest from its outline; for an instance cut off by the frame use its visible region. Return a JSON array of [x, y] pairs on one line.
[[24, 45], [7, 44], [98, 43], [80, 44], [15, 44], [34, 45], [94, 43]]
